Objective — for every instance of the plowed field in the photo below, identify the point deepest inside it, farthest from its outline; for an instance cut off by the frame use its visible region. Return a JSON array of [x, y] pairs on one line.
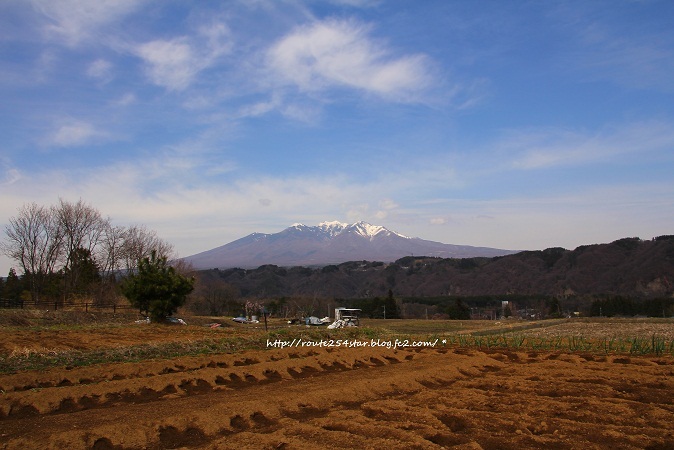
[[336, 397]]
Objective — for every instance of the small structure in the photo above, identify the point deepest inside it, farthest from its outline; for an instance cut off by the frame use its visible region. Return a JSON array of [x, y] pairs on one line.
[[315, 321], [345, 317]]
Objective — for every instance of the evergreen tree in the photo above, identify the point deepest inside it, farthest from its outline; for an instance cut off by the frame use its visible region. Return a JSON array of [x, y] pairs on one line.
[[13, 286], [554, 308], [82, 273], [156, 288], [459, 310], [391, 307]]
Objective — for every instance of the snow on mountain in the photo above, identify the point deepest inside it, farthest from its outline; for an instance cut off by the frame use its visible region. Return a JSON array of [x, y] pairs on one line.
[[332, 228], [328, 243]]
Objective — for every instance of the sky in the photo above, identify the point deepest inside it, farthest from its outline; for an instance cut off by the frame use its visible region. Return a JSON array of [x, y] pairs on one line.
[[515, 125]]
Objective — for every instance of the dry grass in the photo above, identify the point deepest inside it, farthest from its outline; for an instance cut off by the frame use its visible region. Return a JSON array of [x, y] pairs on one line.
[[43, 339], [609, 329]]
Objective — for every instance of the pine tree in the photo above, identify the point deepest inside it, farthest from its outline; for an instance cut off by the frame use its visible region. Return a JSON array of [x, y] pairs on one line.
[[156, 288], [391, 307], [13, 286]]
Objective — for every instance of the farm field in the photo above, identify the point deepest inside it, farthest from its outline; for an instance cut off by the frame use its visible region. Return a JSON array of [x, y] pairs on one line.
[[91, 382]]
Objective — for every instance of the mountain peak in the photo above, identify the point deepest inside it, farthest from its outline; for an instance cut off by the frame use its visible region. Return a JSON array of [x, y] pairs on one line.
[[368, 230], [329, 243], [333, 224], [332, 228]]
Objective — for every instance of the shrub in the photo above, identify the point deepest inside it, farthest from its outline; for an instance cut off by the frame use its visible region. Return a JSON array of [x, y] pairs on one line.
[[157, 289]]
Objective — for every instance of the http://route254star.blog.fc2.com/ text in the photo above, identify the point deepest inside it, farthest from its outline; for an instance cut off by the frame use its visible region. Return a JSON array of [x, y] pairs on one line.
[[352, 343]]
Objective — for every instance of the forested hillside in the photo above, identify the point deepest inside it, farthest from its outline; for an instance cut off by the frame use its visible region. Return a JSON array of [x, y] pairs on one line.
[[627, 267]]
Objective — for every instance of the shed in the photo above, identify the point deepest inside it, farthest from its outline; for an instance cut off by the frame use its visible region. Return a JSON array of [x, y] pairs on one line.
[[347, 315]]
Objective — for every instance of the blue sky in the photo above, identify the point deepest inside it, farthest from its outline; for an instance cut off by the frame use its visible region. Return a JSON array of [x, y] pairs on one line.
[[519, 125]]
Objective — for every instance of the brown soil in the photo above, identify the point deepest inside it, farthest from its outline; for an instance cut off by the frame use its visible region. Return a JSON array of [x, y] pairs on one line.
[[26, 340], [443, 397]]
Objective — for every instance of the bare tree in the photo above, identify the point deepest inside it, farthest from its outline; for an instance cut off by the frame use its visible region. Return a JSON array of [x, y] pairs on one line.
[[139, 243], [83, 227], [110, 252], [215, 298], [182, 267], [34, 240], [82, 224], [75, 238]]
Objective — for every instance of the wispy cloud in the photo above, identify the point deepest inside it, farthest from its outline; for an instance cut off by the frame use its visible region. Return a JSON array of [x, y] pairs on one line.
[[357, 3], [72, 133], [581, 215], [512, 127], [634, 62], [8, 174], [621, 51], [125, 100], [100, 69], [341, 53], [198, 209], [175, 63], [536, 149], [75, 21]]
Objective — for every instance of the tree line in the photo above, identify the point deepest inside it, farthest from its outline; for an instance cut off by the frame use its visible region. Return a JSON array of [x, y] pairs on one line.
[[612, 306], [70, 249]]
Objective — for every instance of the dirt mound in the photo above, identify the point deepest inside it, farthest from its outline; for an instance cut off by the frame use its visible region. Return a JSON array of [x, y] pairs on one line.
[[347, 398]]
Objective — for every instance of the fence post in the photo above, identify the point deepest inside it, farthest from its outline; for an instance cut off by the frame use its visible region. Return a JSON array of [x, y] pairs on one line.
[[86, 307], [114, 308], [56, 306]]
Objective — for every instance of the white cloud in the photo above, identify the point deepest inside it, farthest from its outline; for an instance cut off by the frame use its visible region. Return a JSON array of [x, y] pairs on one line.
[[554, 147], [76, 20], [173, 194], [8, 174], [388, 204], [259, 108], [125, 100], [357, 3], [175, 63], [386, 207], [639, 58], [341, 53], [302, 112], [579, 216], [221, 168], [177, 197], [171, 64], [100, 69], [74, 133]]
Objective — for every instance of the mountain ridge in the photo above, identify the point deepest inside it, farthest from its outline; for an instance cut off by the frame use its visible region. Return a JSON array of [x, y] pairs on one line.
[[626, 267], [329, 243]]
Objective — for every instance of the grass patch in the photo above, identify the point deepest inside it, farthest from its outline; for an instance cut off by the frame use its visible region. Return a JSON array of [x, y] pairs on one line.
[[518, 326], [600, 336], [653, 345], [42, 359]]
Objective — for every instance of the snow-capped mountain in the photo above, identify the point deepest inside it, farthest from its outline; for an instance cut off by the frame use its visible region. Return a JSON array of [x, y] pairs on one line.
[[329, 243], [333, 229]]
